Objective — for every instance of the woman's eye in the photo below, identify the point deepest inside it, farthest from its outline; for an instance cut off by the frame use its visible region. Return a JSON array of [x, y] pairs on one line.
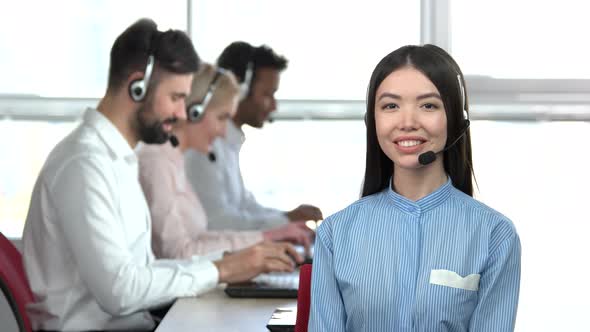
[[430, 106], [390, 106]]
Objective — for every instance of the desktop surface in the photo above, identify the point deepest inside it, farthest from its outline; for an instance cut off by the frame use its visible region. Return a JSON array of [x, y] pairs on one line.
[[216, 312]]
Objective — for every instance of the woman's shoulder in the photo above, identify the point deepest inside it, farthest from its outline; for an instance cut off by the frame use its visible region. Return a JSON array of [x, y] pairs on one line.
[[484, 213]]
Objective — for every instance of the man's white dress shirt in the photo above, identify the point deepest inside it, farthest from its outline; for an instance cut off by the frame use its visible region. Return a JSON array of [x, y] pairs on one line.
[[87, 238], [219, 185]]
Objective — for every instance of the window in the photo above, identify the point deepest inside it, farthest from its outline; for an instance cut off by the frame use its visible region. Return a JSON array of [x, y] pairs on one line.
[[332, 45], [25, 146], [524, 60], [530, 52], [304, 162], [521, 39], [61, 48]]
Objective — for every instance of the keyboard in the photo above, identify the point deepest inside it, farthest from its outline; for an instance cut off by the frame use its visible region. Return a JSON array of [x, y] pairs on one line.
[[289, 280]]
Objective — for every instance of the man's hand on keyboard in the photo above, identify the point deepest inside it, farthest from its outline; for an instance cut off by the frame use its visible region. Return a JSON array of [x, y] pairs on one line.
[[295, 232], [265, 257]]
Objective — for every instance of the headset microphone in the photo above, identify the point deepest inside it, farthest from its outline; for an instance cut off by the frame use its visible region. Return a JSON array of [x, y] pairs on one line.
[[212, 157], [430, 156], [174, 141], [427, 158]]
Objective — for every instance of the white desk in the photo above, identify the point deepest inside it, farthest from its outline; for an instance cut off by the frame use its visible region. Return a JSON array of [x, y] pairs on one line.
[[216, 312]]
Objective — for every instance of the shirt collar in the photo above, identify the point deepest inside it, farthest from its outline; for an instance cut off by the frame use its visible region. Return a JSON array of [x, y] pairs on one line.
[[422, 205], [110, 135], [234, 135]]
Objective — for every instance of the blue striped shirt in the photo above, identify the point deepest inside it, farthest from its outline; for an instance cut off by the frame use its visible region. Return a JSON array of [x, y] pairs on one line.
[[443, 263]]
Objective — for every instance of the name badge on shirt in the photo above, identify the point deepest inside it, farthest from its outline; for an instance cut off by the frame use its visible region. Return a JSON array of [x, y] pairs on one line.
[[452, 279]]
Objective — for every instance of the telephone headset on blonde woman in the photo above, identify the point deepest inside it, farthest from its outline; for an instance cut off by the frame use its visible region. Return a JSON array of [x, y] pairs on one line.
[[243, 94], [196, 110], [430, 156]]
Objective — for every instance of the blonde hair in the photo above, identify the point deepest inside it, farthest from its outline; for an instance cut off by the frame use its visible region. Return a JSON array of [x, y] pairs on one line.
[[226, 86]]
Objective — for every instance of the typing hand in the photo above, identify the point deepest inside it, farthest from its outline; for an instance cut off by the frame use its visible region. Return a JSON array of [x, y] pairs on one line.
[[265, 257], [305, 212], [295, 232]]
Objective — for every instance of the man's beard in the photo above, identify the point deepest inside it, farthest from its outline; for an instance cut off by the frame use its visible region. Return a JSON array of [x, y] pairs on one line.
[[254, 119], [151, 132]]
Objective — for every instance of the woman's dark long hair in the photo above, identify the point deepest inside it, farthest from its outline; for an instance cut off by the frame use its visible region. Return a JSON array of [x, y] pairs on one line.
[[440, 68]]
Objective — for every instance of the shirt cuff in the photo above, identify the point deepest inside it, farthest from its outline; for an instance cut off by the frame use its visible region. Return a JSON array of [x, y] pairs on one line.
[[214, 255], [206, 275]]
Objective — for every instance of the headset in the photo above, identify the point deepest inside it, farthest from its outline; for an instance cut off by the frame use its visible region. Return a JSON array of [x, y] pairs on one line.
[[195, 111], [430, 156], [138, 88], [463, 100], [245, 85]]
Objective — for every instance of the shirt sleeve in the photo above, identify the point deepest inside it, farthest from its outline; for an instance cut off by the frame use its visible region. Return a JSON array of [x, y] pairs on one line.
[[84, 196], [223, 195], [499, 286], [232, 241], [327, 311]]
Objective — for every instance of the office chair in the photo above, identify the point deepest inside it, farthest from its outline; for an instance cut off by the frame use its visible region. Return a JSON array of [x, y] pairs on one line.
[[303, 298], [14, 283]]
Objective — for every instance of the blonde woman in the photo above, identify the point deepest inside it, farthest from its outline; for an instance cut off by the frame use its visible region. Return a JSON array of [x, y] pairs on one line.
[[178, 218]]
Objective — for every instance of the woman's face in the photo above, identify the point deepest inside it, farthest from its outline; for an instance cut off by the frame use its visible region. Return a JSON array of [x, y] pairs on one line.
[[201, 135], [410, 118]]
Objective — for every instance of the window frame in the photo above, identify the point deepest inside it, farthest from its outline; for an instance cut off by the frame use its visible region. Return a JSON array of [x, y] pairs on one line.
[[490, 98]]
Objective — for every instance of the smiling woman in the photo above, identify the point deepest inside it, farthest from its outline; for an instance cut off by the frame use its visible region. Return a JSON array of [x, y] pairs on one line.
[[420, 99], [448, 261]]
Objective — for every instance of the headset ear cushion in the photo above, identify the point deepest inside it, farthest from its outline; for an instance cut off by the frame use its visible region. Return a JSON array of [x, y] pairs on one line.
[[137, 90], [194, 112]]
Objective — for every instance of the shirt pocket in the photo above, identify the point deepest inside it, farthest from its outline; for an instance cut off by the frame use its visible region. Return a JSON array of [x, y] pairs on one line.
[[452, 279], [445, 301]]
